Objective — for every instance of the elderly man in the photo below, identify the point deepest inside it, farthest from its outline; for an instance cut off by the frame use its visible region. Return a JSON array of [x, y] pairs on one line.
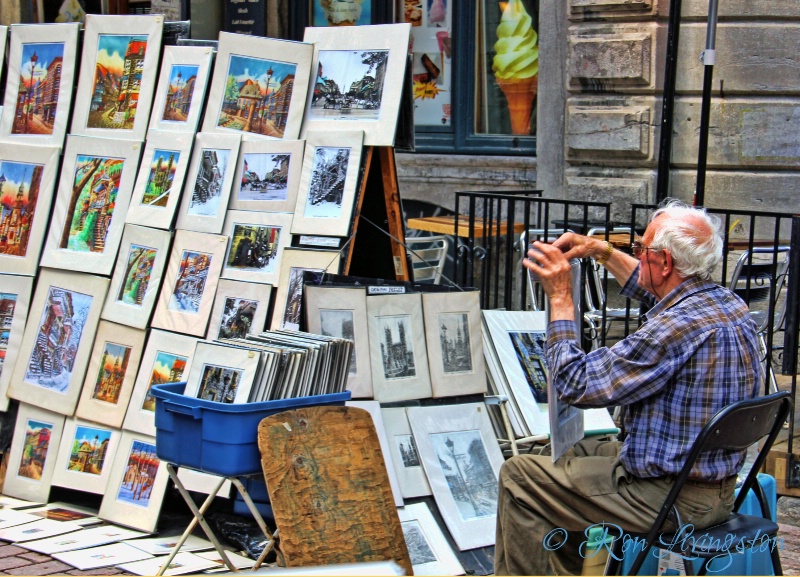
[[695, 353]]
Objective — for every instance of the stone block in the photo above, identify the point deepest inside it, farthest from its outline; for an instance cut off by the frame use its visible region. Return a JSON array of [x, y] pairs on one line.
[[617, 56], [609, 131], [620, 187], [741, 9], [611, 8]]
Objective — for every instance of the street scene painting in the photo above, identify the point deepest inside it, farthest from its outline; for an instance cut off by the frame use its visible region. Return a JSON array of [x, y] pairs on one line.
[[418, 547], [219, 384], [117, 78], [454, 337], [39, 85], [180, 89], [326, 186], [408, 450], [167, 368], [349, 85], [61, 514], [466, 468], [19, 191], [208, 182], [139, 267], [60, 329], [89, 448], [265, 176], [529, 347], [161, 178], [397, 350], [35, 449], [91, 203], [136, 486], [113, 366], [257, 95], [294, 298], [339, 323], [237, 317], [8, 304], [253, 248], [191, 282]]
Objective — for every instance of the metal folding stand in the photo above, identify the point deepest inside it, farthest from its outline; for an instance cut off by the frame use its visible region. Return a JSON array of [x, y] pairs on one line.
[[199, 518]]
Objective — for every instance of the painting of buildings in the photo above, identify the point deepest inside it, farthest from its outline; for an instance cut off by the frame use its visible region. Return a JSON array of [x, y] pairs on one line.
[[34, 449], [60, 330], [136, 486], [253, 248], [326, 186], [339, 323], [257, 96], [167, 368], [208, 183], [294, 298], [39, 86], [191, 282], [91, 203], [8, 302], [349, 85], [418, 547], [397, 352], [137, 275], [264, 176], [454, 337], [529, 347], [19, 191], [408, 450], [89, 448], [161, 177], [219, 384], [118, 75], [237, 318], [113, 366], [182, 79]]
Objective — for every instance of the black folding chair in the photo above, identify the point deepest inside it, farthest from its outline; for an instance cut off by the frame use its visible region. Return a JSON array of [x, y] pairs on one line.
[[736, 427]]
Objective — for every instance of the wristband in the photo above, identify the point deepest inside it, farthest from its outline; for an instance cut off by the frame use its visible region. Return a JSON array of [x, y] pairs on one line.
[[606, 253]]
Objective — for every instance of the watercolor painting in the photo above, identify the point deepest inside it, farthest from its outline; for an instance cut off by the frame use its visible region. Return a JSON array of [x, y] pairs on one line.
[[118, 75], [219, 383], [191, 282], [39, 85], [326, 187], [167, 368], [182, 78], [349, 85], [60, 329], [253, 248], [89, 448], [237, 318], [264, 176], [161, 178], [257, 95], [136, 486], [34, 450], [113, 366], [8, 303], [529, 348], [19, 190], [208, 184], [137, 275]]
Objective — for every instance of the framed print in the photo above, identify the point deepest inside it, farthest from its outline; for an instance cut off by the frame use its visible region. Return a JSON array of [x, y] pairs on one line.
[[60, 511], [166, 359], [221, 373], [240, 309], [327, 13], [137, 484], [405, 456], [15, 298], [39, 529], [27, 181], [103, 556], [462, 460], [32, 458], [259, 86], [137, 276], [328, 183], [397, 351], [182, 83], [41, 60], [159, 183], [267, 175], [289, 297], [427, 546], [358, 80], [208, 186], [112, 371], [94, 192], [58, 339], [455, 349], [181, 564], [84, 539], [85, 456], [257, 241], [187, 293], [342, 313], [118, 75], [165, 545]]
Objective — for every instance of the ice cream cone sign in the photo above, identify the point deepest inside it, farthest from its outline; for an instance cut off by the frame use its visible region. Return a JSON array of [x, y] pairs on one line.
[[516, 64]]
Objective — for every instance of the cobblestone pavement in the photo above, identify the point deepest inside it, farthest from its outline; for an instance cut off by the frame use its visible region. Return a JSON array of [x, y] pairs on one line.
[[789, 523], [18, 561]]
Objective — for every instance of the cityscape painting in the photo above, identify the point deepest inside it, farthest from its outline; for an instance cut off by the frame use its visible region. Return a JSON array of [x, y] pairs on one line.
[[326, 186], [408, 450], [34, 449], [208, 183], [237, 318], [136, 486], [182, 79], [454, 336], [529, 348], [349, 85], [397, 349], [339, 324], [418, 548], [89, 448], [60, 329], [257, 95], [39, 85], [191, 282], [161, 178], [137, 275], [294, 298], [253, 248], [265, 176], [19, 191], [113, 366], [91, 203], [167, 368], [468, 472], [117, 79], [8, 303], [219, 384]]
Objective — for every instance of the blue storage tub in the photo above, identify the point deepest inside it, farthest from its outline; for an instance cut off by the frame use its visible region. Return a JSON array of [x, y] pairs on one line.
[[218, 438]]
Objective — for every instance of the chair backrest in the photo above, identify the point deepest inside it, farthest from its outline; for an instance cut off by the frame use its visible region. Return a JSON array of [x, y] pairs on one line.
[[428, 255], [758, 273]]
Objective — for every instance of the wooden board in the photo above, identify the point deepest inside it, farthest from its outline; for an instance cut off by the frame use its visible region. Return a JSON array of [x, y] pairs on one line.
[[776, 465], [329, 488]]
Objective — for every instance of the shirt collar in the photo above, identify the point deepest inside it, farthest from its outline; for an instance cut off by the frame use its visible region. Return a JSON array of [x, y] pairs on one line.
[[688, 287]]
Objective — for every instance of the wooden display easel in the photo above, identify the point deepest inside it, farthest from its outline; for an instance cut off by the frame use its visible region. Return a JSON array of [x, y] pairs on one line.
[[371, 252]]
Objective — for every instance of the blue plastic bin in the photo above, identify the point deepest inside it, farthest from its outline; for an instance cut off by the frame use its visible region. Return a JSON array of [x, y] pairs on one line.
[[218, 438]]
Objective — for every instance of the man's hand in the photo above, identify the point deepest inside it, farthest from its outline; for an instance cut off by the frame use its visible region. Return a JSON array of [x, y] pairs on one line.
[[553, 268], [579, 246]]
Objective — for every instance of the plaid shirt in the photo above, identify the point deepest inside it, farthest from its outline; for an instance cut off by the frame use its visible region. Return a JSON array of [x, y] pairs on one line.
[[695, 353]]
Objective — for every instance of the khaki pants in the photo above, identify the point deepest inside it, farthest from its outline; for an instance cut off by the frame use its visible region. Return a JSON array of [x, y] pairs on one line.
[[545, 507]]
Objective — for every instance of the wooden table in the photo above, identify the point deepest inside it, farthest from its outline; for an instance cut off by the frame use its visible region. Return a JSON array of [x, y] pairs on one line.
[[444, 225]]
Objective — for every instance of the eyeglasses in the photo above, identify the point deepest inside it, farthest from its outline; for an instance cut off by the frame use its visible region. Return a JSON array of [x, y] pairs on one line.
[[638, 248]]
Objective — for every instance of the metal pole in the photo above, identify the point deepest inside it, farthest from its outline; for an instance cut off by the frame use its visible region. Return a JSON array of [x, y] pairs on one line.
[[709, 58], [668, 103], [790, 339]]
